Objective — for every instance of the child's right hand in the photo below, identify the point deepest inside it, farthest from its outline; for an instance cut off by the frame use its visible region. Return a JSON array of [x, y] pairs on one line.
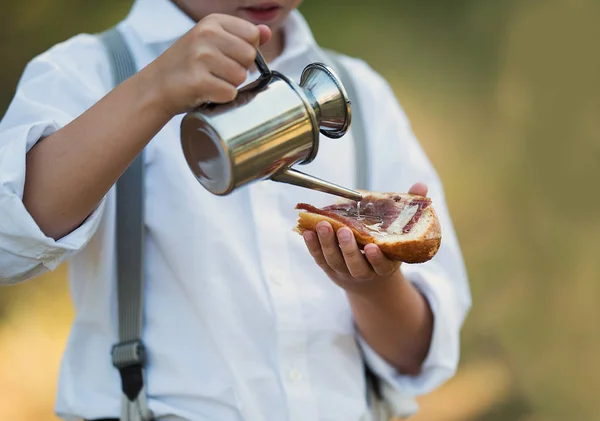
[[206, 64]]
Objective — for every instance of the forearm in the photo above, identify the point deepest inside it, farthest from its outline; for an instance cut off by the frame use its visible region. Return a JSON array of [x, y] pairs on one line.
[[396, 321], [70, 171]]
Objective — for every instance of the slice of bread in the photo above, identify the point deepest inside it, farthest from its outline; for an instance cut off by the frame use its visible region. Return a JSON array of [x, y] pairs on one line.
[[404, 226]]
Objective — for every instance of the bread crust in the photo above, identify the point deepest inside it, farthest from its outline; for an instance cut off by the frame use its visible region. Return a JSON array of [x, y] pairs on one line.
[[418, 250]]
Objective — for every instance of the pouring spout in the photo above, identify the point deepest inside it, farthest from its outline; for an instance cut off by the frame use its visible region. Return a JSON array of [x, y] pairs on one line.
[[301, 179]]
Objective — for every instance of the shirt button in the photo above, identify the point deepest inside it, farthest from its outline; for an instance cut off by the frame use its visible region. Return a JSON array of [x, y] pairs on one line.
[[294, 375]]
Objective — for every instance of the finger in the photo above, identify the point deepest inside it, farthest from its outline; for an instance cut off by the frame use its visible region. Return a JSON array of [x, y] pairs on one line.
[[242, 29], [221, 91], [330, 247], [314, 248], [265, 34], [419, 189], [355, 261], [235, 48], [225, 68], [380, 263]]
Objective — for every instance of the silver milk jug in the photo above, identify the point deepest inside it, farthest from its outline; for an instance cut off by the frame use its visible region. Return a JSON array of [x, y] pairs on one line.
[[271, 125]]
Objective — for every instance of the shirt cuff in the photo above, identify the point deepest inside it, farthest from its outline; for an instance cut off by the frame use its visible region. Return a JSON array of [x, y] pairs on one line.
[[443, 355], [23, 245]]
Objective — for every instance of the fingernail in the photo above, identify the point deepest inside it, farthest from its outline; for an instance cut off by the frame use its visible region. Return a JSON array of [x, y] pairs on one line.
[[308, 235], [344, 235], [371, 251], [322, 230]]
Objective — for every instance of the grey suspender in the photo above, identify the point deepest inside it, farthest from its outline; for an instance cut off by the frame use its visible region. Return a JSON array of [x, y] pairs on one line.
[[128, 355]]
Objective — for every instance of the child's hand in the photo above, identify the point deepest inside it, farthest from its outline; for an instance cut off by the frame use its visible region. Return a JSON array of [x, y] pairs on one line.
[[342, 260], [206, 64]]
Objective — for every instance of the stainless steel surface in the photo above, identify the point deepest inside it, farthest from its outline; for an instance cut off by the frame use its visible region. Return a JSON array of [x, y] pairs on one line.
[[300, 179], [271, 125], [329, 98], [265, 129]]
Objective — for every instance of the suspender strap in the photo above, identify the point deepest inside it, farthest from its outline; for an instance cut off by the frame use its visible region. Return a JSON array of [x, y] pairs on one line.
[[129, 355]]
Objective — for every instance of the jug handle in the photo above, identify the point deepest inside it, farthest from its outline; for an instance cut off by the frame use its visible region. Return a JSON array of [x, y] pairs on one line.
[[261, 65], [300, 179]]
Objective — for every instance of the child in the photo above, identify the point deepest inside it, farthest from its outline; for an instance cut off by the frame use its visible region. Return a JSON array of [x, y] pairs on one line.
[[244, 319]]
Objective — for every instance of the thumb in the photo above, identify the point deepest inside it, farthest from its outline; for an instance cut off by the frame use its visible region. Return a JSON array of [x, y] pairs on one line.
[[419, 189], [265, 34]]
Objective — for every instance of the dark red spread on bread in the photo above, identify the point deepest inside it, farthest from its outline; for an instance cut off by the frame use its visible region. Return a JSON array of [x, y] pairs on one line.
[[373, 211], [422, 205]]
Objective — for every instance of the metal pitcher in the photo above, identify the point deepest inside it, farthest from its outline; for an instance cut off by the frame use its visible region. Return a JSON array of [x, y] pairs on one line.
[[271, 125]]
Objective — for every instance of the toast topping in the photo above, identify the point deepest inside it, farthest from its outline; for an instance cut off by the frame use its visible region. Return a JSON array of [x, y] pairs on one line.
[[393, 215]]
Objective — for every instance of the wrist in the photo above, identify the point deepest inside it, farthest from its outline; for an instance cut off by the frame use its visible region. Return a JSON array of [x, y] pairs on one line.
[[374, 291], [153, 94], [395, 319]]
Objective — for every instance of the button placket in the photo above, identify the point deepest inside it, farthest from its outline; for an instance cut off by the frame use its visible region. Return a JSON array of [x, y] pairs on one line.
[[294, 375], [285, 300]]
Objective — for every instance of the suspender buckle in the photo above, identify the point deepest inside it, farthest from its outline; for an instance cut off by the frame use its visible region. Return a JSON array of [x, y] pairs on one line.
[[129, 353], [129, 358]]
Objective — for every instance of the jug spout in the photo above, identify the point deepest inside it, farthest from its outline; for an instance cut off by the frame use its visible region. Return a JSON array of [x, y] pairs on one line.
[[300, 179]]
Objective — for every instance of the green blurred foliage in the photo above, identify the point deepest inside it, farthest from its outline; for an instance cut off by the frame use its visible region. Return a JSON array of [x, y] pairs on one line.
[[505, 97]]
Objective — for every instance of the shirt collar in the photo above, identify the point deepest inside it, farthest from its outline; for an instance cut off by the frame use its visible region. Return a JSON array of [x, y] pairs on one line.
[[160, 21]]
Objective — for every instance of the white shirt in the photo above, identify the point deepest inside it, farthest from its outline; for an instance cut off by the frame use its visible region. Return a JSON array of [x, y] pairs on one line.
[[240, 324]]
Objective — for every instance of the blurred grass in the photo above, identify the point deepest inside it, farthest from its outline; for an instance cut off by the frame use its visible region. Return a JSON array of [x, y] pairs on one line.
[[505, 97]]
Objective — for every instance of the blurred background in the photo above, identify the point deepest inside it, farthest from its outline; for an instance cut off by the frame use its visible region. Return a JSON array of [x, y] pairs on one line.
[[505, 97]]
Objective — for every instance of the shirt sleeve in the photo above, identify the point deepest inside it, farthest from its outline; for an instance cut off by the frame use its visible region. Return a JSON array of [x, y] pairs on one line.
[[55, 88], [397, 161]]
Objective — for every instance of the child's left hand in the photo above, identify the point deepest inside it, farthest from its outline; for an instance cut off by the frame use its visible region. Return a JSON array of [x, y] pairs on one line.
[[342, 260]]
